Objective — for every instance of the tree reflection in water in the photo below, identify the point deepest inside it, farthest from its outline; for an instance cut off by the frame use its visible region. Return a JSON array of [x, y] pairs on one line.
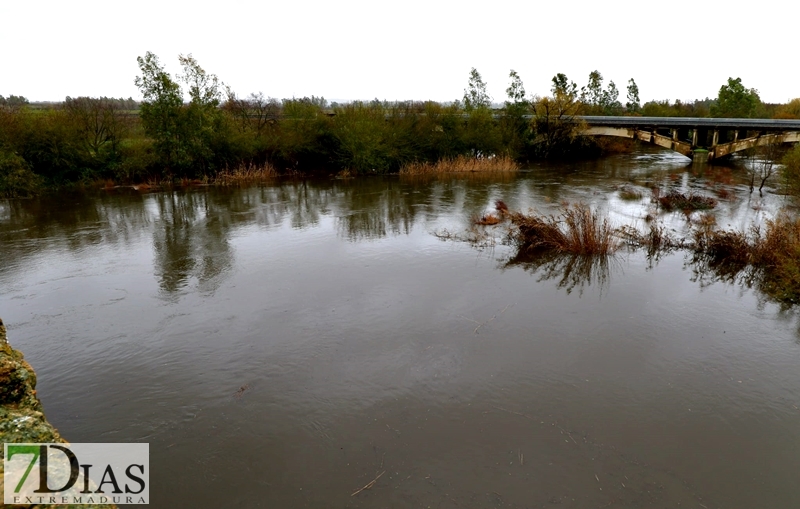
[[569, 271]]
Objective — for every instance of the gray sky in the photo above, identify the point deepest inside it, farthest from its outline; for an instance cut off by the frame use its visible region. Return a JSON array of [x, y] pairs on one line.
[[414, 49]]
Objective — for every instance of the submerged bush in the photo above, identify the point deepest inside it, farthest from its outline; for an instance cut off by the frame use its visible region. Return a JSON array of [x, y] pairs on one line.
[[778, 254], [577, 230], [630, 194], [790, 171], [767, 259], [679, 201]]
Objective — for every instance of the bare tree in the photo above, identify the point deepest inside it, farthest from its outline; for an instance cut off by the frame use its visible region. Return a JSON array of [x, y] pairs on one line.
[[101, 122], [255, 113], [761, 162]]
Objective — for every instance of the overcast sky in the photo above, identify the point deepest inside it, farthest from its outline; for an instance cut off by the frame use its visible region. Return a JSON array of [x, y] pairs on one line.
[[414, 49]]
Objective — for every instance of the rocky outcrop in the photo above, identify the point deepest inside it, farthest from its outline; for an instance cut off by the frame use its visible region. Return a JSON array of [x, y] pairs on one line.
[[21, 414]]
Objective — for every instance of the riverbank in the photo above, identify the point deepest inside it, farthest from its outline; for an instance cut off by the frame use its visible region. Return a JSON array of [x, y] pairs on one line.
[[22, 417]]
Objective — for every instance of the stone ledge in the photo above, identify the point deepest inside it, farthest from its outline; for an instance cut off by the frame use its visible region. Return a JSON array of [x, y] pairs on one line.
[[21, 414]]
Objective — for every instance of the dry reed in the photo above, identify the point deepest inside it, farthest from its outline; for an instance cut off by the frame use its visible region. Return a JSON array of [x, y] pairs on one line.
[[245, 174], [577, 230], [461, 164]]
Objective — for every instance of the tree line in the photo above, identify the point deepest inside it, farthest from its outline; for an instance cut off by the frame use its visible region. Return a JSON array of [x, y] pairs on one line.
[[193, 126]]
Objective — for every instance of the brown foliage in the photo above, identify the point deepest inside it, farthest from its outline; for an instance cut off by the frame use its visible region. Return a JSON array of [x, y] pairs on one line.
[[679, 201], [577, 230], [461, 164], [245, 174]]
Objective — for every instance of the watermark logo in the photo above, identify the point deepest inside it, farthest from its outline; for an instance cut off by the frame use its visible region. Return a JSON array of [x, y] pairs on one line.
[[76, 474]]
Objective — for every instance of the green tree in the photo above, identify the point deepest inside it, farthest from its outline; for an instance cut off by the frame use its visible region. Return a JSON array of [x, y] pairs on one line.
[[736, 101], [789, 110], [304, 131], [515, 90], [161, 113], [475, 95], [610, 104], [481, 136], [600, 101], [189, 139], [514, 128], [562, 87], [361, 130], [13, 101], [555, 130], [592, 93], [204, 129], [634, 104]]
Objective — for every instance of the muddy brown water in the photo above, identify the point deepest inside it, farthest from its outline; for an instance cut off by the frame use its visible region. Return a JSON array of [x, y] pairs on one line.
[[282, 346]]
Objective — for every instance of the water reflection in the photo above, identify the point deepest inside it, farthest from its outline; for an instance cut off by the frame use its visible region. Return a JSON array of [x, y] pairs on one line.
[[191, 240], [569, 271], [192, 232], [366, 343]]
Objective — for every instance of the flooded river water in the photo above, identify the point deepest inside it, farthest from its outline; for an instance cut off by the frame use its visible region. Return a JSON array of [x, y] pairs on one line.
[[283, 346]]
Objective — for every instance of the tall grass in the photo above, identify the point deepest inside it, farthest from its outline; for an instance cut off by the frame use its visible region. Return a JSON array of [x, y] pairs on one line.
[[577, 230], [245, 174], [461, 164]]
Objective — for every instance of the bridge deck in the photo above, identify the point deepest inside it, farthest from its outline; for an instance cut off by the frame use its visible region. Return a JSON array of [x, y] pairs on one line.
[[761, 124]]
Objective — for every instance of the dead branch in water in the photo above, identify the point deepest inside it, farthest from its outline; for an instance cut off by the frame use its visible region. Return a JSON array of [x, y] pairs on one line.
[[368, 485]]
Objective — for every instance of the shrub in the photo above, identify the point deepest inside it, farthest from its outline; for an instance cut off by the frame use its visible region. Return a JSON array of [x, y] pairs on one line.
[[578, 230], [790, 171], [461, 164], [16, 178], [679, 201]]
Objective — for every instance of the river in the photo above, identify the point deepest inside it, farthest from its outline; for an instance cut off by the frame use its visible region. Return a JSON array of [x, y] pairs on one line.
[[284, 345]]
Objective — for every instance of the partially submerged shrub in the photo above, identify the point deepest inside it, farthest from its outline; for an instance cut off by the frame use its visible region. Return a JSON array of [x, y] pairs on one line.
[[679, 201], [778, 254], [725, 194], [629, 194], [578, 230], [723, 247], [768, 260], [487, 220], [790, 171], [564, 245]]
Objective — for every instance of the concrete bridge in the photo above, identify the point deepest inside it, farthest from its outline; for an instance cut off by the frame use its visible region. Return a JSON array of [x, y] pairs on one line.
[[692, 137]]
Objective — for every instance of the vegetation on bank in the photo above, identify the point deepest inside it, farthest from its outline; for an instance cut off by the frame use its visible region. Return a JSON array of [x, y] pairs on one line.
[[193, 128], [461, 164]]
